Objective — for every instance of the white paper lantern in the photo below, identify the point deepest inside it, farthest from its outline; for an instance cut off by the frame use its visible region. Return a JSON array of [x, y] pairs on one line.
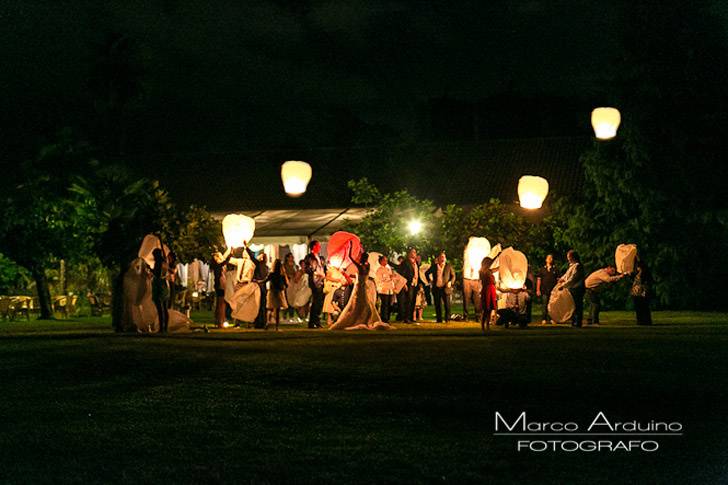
[[295, 175], [624, 258], [237, 229], [605, 122], [532, 191], [477, 249], [513, 269]]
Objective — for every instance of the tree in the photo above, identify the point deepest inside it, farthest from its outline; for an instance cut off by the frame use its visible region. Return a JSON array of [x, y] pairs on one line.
[[499, 223], [194, 233], [386, 227], [40, 221], [122, 210]]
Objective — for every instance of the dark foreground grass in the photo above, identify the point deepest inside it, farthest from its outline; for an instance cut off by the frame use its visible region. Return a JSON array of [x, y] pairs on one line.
[[80, 404]]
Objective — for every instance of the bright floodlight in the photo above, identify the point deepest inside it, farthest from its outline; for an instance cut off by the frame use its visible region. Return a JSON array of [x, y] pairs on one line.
[[532, 191], [605, 122], [295, 176], [415, 226]]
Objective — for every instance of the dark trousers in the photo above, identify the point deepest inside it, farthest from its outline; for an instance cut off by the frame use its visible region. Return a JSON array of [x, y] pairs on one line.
[[428, 294], [578, 295], [595, 304], [402, 305], [385, 306], [317, 304], [411, 303], [262, 319], [441, 299], [220, 305], [545, 297], [642, 310]]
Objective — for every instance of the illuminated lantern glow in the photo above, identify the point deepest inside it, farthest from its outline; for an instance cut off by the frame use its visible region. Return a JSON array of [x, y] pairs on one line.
[[237, 229], [374, 262], [414, 226], [477, 249], [532, 191], [338, 248], [295, 175], [149, 244], [605, 122], [624, 258], [513, 269]]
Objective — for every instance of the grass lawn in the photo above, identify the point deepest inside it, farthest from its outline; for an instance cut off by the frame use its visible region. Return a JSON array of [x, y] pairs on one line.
[[81, 404]]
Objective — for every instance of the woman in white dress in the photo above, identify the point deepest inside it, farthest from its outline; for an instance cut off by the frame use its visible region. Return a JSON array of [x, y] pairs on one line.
[[361, 311]]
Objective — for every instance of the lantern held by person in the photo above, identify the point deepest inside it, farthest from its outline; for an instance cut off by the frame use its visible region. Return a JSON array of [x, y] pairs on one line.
[[513, 269], [605, 122], [477, 249], [624, 258], [338, 248], [237, 229], [295, 175], [532, 191]]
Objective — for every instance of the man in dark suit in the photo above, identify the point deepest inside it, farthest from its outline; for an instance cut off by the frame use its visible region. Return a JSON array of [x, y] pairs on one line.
[[316, 270], [410, 271], [441, 277]]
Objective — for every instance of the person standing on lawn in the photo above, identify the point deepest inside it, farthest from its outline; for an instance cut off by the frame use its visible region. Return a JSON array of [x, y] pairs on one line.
[[316, 269], [546, 280], [595, 283], [641, 292], [441, 277], [573, 280]]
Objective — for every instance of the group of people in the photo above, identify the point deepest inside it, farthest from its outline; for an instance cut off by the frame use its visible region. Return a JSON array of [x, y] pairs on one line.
[[356, 297]]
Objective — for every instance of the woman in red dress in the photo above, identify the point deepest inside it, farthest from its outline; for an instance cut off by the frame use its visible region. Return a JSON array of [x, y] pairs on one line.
[[488, 297]]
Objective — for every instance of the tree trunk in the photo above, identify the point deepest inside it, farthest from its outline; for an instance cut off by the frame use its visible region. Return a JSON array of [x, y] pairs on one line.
[[117, 300], [44, 293]]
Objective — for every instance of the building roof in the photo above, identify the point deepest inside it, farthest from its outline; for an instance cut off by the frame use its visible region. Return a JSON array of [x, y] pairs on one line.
[[448, 173]]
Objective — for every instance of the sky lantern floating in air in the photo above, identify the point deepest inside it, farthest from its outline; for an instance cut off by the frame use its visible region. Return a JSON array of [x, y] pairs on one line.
[[338, 248], [477, 249], [237, 229], [605, 122], [513, 269], [624, 258], [295, 176], [532, 191]]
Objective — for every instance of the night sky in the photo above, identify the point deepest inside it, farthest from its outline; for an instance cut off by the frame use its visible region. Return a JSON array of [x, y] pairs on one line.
[[235, 76]]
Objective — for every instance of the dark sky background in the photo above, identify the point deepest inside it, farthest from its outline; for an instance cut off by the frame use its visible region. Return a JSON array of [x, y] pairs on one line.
[[248, 75]]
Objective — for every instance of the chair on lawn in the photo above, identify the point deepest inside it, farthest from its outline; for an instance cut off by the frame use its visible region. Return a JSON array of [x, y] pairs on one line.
[[97, 304]]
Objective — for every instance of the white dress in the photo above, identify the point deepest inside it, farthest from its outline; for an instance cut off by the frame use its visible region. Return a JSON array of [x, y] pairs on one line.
[[361, 313]]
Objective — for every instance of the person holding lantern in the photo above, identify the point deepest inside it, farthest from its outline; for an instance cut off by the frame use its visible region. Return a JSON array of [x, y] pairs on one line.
[[488, 297], [573, 280], [594, 284], [360, 312], [218, 263]]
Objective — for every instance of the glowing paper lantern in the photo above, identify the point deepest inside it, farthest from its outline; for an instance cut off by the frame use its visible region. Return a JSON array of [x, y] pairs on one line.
[[374, 263], [414, 226], [605, 122], [513, 269], [624, 257], [237, 230], [561, 305], [149, 244], [295, 176], [338, 248], [477, 249], [532, 191]]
